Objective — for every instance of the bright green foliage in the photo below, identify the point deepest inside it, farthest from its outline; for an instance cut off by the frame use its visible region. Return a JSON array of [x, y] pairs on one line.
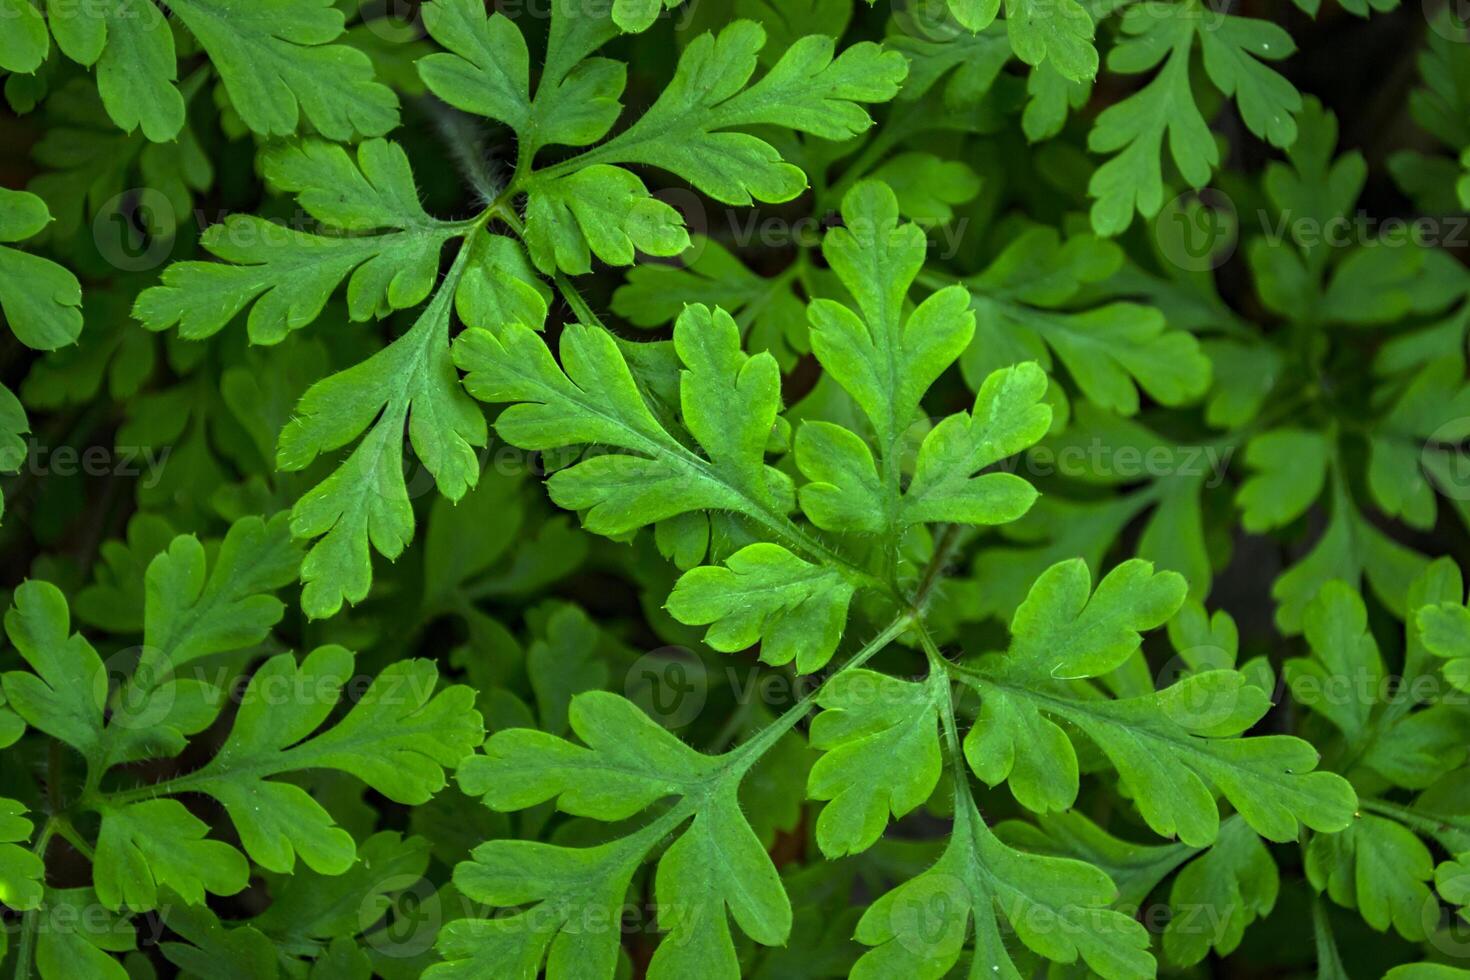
[[875, 762], [811, 502], [792, 591], [1058, 34], [1380, 865], [408, 384], [1164, 36], [1057, 906], [20, 870], [714, 869], [379, 234], [1111, 351], [1236, 876], [1172, 748], [770, 314], [40, 300], [274, 58], [590, 205], [399, 736], [1445, 632]]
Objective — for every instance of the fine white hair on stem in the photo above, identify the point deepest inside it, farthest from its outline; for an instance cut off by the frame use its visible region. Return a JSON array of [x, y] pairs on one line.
[[466, 141]]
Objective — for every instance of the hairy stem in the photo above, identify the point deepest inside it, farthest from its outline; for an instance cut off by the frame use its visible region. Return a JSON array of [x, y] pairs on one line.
[[25, 948]]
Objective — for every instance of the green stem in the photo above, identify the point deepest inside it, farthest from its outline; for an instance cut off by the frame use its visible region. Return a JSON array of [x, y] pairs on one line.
[[25, 949], [743, 756], [1424, 823], [69, 833], [573, 297], [776, 523], [944, 693], [569, 292], [768, 736], [948, 540]]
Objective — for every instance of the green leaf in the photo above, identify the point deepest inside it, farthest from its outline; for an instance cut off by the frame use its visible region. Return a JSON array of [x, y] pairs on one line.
[[22, 873], [764, 593], [885, 360], [1064, 630], [132, 46], [273, 57], [599, 210], [64, 693], [1055, 34], [729, 405], [310, 907], [637, 16], [11, 725], [377, 233], [1173, 749], [1135, 129], [1136, 869], [927, 186], [26, 42], [1291, 467], [1008, 417], [1344, 658], [714, 869], [488, 74], [808, 90], [563, 664], [1023, 304], [279, 68], [210, 942], [1219, 894], [597, 400], [410, 384], [1446, 631], [880, 742], [41, 299], [155, 844], [115, 599], [13, 429], [587, 205], [189, 615], [488, 71], [75, 934], [1057, 907], [1378, 867], [1426, 971], [399, 738]]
